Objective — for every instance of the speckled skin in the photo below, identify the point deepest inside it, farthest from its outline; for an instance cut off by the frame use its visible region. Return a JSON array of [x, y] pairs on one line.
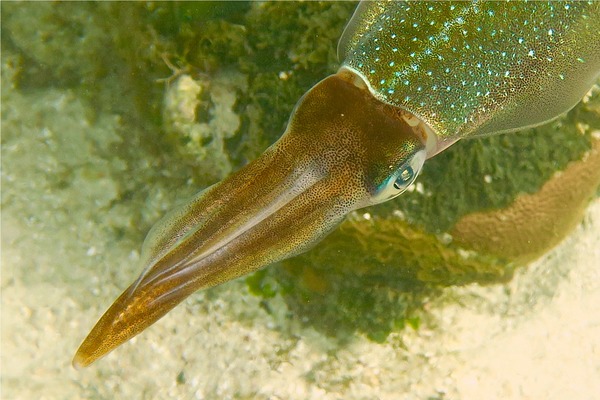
[[350, 143], [278, 206], [475, 68]]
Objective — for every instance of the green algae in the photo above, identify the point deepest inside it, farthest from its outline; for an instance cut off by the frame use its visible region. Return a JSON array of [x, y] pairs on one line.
[[373, 276]]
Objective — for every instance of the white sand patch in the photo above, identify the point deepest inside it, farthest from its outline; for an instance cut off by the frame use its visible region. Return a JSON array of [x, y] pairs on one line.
[[535, 338]]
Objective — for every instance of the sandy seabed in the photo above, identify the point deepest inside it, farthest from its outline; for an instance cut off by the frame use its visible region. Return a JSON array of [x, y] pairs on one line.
[[537, 337]]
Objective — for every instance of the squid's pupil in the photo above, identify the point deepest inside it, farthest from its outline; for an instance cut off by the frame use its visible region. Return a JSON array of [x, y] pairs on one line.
[[405, 177]]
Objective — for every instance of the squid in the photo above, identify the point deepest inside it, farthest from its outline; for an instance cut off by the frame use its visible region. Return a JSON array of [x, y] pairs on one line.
[[415, 77]]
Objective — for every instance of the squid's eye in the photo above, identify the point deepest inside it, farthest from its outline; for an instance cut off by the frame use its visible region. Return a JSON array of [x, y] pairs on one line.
[[402, 178], [406, 176]]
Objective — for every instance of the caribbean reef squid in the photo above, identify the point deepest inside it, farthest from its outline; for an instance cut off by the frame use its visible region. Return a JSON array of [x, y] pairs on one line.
[[415, 77]]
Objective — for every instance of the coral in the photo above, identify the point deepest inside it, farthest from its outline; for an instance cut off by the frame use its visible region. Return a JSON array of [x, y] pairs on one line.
[[536, 222], [202, 142]]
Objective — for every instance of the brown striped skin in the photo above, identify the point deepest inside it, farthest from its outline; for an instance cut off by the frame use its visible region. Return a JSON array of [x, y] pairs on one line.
[[340, 147]]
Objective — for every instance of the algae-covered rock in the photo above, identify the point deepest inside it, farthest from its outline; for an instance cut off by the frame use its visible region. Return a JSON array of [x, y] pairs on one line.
[[61, 38], [280, 58]]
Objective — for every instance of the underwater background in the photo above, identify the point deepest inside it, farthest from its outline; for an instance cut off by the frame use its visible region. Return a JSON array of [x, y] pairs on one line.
[[114, 112]]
